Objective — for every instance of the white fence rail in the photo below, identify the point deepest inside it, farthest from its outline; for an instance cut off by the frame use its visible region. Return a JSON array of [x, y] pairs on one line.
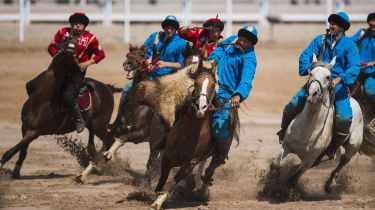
[[186, 15]]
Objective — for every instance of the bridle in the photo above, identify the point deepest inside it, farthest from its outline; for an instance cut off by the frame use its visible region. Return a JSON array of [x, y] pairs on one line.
[[143, 64], [194, 96], [330, 88]]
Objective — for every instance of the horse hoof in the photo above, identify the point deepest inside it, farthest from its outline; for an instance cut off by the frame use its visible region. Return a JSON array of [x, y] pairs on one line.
[[155, 207], [16, 175], [328, 188], [79, 179]]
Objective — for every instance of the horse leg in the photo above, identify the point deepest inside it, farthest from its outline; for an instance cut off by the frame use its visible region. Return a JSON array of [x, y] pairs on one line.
[[21, 146], [151, 167], [302, 168], [276, 163], [350, 151], [181, 174], [199, 174], [91, 145]]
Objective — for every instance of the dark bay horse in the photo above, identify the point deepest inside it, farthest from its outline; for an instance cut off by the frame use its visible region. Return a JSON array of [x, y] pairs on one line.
[[135, 123], [190, 140], [42, 113]]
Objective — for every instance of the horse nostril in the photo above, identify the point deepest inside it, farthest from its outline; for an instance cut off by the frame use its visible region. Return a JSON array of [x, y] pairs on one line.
[[315, 93]]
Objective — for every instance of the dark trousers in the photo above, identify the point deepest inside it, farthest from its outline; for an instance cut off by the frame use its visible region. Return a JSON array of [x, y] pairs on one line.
[[70, 89]]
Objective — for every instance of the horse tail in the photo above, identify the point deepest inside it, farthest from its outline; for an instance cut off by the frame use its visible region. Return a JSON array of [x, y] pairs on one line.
[[235, 125], [368, 144], [114, 89]]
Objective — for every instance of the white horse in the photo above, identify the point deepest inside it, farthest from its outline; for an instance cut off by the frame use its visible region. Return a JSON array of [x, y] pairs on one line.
[[310, 132]]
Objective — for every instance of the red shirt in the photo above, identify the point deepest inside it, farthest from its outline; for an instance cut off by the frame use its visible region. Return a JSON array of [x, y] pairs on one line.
[[87, 45], [199, 38]]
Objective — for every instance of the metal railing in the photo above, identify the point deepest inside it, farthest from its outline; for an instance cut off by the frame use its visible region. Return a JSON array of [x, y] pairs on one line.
[[128, 11]]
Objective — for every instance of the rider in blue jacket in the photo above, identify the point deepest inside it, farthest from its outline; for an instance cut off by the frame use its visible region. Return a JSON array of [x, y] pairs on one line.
[[365, 39], [165, 50], [236, 62], [344, 73]]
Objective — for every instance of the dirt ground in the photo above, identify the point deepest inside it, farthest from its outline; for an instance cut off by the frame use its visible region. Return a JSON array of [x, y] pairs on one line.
[[48, 172]]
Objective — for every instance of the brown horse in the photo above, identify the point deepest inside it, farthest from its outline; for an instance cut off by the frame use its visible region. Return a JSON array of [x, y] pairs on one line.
[[135, 123], [42, 113], [190, 140]]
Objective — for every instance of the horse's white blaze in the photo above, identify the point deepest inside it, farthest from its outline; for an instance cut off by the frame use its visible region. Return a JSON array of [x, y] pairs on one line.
[[203, 96]]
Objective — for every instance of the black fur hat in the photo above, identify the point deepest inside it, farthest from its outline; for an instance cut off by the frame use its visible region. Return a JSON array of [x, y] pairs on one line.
[[79, 17]]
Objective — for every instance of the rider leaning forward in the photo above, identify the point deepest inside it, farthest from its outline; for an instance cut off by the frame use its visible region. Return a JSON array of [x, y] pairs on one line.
[[204, 38], [365, 40], [346, 70], [236, 65], [88, 52]]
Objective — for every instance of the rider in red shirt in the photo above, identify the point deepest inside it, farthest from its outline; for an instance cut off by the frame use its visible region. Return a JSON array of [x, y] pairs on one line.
[[88, 52], [204, 38], [88, 49]]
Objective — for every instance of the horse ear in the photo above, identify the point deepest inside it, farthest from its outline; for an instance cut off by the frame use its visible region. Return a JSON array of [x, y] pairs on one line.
[[333, 61], [200, 65], [131, 47], [314, 58], [144, 48]]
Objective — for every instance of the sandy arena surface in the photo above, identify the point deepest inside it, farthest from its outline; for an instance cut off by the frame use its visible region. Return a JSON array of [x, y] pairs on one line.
[[48, 172]]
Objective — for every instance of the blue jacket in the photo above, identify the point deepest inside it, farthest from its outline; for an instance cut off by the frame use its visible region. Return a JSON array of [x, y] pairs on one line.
[[347, 58], [170, 51], [366, 50], [235, 69]]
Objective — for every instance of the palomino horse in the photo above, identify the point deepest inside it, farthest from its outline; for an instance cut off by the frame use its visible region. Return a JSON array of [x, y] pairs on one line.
[[190, 140], [310, 132], [42, 113], [134, 123]]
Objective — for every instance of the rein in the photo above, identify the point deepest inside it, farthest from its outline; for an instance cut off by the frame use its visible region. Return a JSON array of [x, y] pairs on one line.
[[211, 106]]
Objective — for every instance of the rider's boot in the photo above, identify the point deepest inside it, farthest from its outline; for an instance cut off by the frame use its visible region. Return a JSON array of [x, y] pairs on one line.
[[287, 118], [80, 122], [337, 140]]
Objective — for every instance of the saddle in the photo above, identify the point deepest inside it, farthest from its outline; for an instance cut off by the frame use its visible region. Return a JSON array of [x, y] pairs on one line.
[[84, 98]]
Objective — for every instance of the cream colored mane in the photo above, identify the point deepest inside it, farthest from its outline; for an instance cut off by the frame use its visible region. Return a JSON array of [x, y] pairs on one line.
[[168, 94]]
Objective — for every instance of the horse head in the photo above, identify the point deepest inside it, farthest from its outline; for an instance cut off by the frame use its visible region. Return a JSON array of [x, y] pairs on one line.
[[135, 61], [204, 87], [319, 84]]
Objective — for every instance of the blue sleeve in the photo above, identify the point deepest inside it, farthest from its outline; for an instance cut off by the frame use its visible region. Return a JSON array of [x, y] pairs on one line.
[[180, 57], [352, 68], [245, 85], [150, 44], [219, 50], [305, 58], [356, 36]]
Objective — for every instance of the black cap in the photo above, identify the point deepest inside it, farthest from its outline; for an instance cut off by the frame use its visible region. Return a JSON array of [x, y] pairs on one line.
[[79, 17], [370, 16]]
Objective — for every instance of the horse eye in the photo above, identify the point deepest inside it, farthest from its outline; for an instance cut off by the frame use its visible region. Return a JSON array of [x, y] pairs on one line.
[[328, 78]]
